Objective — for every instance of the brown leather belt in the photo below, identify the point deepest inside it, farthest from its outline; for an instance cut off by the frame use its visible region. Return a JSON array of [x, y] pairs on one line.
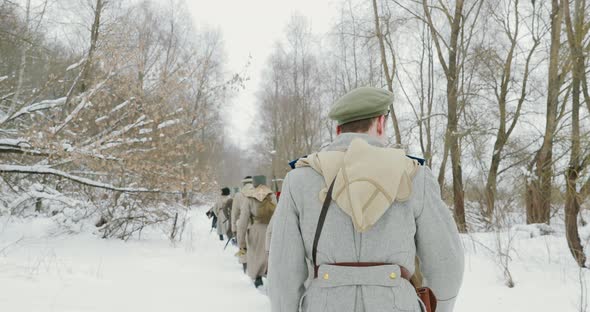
[[404, 272]]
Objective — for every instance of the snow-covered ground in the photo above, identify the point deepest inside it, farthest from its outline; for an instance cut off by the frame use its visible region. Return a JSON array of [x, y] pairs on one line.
[[80, 273], [43, 269]]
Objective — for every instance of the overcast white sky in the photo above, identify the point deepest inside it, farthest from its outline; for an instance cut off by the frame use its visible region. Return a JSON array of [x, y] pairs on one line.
[[250, 27]]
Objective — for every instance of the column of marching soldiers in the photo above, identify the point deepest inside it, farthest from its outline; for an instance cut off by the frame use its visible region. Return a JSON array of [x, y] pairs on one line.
[[390, 242], [244, 221]]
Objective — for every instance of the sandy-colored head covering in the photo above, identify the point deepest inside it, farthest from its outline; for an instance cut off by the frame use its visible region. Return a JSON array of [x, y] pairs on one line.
[[368, 179], [247, 189], [259, 192]]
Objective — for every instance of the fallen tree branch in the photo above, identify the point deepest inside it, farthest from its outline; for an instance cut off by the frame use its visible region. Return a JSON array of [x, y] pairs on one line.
[[4, 248], [43, 170], [35, 107]]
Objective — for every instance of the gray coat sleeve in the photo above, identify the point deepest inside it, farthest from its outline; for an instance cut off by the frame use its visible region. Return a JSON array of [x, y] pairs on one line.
[[287, 270], [439, 246]]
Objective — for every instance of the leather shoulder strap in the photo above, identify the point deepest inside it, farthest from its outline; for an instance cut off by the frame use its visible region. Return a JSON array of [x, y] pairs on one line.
[[318, 230]]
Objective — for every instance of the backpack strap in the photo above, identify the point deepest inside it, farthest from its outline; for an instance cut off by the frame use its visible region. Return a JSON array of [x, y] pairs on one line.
[[318, 230]]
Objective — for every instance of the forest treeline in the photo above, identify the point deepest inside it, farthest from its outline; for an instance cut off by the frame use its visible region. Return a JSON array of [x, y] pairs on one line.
[[492, 93], [111, 105], [116, 106]]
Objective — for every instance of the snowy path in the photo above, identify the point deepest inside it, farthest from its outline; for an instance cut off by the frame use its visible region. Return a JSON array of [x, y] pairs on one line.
[[82, 273]]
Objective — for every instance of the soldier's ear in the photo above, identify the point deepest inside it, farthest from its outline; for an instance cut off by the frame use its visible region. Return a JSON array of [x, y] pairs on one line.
[[381, 125]]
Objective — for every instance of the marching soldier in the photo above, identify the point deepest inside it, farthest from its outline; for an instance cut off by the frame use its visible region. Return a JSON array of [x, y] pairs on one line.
[[353, 217], [252, 224], [222, 211], [240, 200]]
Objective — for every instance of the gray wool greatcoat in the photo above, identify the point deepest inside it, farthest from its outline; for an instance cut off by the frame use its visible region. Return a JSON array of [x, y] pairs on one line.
[[421, 226], [251, 235], [223, 223], [239, 200]]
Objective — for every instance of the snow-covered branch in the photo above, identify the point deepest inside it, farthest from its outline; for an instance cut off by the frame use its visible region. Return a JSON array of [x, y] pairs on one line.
[[83, 103], [117, 108], [140, 122], [35, 107], [76, 65], [14, 143], [39, 191], [19, 146], [168, 123], [44, 170]]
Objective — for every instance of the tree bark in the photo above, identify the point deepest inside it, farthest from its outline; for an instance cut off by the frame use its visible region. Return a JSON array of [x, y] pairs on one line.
[[538, 206], [453, 114], [575, 36], [23, 63], [505, 129], [83, 77]]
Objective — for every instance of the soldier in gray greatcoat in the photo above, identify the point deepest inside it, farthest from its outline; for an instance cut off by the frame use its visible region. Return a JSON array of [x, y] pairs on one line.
[[222, 211], [240, 200], [383, 210], [252, 224]]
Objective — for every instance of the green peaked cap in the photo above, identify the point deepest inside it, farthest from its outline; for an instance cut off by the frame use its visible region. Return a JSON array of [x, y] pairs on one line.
[[361, 103]]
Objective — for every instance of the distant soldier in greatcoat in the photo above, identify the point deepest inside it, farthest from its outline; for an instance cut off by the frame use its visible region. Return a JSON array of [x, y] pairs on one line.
[[222, 210], [252, 224], [239, 201]]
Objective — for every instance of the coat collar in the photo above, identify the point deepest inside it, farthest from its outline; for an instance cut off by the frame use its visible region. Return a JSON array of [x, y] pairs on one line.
[[367, 177], [342, 141]]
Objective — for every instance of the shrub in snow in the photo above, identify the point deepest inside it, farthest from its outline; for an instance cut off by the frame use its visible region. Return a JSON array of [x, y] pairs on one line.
[[130, 214], [532, 230]]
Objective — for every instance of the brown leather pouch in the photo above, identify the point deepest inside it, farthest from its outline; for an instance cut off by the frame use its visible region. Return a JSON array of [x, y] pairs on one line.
[[427, 296]]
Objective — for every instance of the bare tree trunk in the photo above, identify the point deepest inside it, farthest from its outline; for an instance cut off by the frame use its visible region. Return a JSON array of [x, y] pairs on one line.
[[84, 75], [388, 75], [539, 189], [23, 63], [443, 165], [490, 188], [452, 67], [505, 130], [452, 136], [575, 35], [94, 31], [426, 96]]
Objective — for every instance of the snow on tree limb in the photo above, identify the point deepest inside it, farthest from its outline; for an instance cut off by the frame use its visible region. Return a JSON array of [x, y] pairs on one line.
[[19, 143], [117, 108], [19, 146], [76, 65], [38, 191], [44, 170], [6, 96], [120, 106], [140, 122], [35, 107], [168, 123], [83, 103]]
